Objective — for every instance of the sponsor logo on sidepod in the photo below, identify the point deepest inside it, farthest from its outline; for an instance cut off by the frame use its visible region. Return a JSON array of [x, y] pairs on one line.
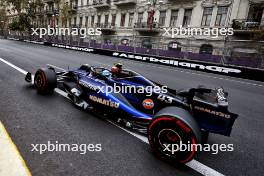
[[102, 101]]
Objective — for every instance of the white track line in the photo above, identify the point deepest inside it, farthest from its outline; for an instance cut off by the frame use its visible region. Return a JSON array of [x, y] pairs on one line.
[[13, 66], [194, 164], [142, 138]]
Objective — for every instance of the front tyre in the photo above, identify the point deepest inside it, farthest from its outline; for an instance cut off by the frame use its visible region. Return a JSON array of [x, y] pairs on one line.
[[171, 129], [45, 81]]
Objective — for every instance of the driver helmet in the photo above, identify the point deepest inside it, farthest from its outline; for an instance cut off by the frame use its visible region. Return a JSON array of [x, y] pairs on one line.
[[119, 65], [117, 68], [106, 73]]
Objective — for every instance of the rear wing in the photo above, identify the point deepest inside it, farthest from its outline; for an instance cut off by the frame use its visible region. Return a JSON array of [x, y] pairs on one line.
[[210, 108]]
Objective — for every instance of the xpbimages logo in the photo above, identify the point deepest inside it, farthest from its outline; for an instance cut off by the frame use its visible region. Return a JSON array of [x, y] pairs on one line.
[[126, 89], [59, 147], [195, 31], [213, 148], [58, 31]]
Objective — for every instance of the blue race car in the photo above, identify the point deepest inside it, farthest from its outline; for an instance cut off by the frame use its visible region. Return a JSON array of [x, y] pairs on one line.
[[166, 116]]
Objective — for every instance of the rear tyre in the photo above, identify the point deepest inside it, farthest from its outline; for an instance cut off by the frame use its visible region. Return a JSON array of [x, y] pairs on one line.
[[171, 128], [45, 81]]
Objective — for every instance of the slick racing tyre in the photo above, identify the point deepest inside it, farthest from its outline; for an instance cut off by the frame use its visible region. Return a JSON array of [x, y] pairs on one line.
[[45, 81], [170, 129]]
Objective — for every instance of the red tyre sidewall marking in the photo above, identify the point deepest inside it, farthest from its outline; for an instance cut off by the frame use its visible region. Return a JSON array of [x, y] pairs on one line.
[[193, 152]]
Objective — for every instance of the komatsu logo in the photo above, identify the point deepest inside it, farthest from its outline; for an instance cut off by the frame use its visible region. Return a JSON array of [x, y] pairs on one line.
[[179, 63], [217, 113], [109, 102]]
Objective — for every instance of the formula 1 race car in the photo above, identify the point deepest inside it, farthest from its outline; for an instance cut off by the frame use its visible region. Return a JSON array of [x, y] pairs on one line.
[[165, 115]]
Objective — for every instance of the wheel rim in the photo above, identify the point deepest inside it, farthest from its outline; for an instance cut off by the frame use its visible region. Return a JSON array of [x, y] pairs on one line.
[[39, 80], [168, 136]]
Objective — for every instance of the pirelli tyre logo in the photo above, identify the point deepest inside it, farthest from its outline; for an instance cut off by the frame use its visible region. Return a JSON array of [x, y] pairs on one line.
[[212, 68], [217, 113], [105, 102]]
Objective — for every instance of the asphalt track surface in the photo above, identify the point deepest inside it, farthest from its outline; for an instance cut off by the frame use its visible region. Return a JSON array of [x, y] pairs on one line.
[[30, 118]]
